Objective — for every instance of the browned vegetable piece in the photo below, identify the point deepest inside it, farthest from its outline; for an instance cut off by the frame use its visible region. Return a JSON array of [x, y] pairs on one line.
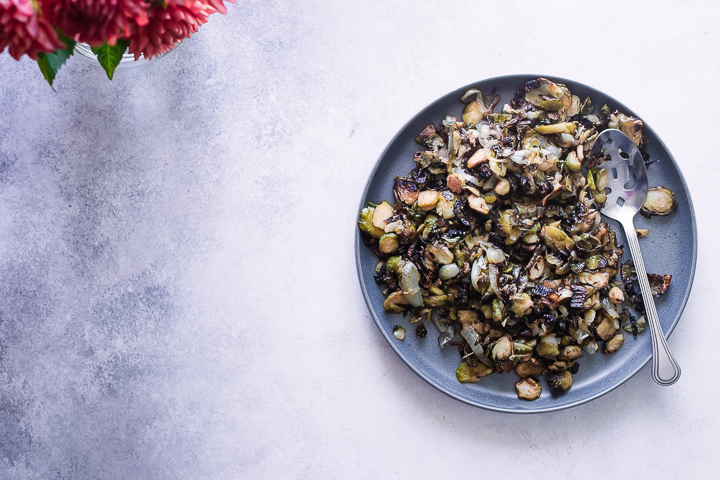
[[560, 366], [427, 132], [530, 368], [382, 213], [616, 295], [659, 283], [528, 389], [428, 199], [560, 382], [395, 303], [606, 328], [477, 158], [571, 352], [612, 345], [406, 191], [633, 128], [503, 349], [455, 183], [478, 204]]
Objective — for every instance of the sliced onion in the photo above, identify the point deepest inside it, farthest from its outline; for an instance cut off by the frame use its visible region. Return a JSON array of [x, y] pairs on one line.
[[448, 271], [446, 337], [495, 255], [493, 274], [610, 308], [410, 284], [519, 157], [472, 338]]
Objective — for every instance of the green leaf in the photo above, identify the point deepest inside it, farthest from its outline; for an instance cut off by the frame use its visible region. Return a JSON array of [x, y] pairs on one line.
[[51, 63], [109, 56]]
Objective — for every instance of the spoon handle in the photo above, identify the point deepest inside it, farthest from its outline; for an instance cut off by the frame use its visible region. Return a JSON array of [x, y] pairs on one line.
[[665, 370]]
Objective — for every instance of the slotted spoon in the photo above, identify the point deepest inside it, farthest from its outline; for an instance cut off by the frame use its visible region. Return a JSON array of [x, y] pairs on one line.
[[628, 186]]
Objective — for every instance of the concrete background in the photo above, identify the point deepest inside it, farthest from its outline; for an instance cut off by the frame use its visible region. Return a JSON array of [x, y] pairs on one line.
[[178, 296]]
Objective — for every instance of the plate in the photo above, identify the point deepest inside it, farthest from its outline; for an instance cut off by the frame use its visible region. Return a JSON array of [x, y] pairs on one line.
[[670, 248]]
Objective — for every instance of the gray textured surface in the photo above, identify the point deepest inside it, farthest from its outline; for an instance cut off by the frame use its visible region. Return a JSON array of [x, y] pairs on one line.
[[178, 297]]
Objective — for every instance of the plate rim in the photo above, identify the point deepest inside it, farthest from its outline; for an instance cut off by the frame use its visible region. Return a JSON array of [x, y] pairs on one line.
[[358, 243]]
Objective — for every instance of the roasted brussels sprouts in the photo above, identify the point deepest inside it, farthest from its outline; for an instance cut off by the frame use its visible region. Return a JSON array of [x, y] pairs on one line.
[[528, 389], [560, 381], [406, 191], [530, 368], [366, 223], [389, 243], [395, 303], [497, 241], [659, 201], [616, 295], [399, 332]]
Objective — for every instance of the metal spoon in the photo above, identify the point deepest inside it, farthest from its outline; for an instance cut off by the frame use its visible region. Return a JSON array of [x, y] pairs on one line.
[[628, 185]]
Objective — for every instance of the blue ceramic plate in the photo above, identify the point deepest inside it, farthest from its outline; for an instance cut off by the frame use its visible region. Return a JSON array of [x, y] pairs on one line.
[[670, 248]]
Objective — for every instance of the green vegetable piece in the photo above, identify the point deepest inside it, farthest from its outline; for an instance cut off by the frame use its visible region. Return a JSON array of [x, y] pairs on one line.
[[521, 305], [556, 238], [394, 264], [572, 162], [498, 310], [389, 243], [548, 347], [503, 349], [366, 225]]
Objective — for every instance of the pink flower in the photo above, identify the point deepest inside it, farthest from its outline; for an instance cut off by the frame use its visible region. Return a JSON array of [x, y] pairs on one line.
[[23, 30], [169, 25], [96, 21]]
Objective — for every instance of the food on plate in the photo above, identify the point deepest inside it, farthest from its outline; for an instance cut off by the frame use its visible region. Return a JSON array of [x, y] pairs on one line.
[[496, 238]]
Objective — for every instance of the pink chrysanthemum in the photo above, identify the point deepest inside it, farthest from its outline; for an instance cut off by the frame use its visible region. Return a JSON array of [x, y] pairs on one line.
[[169, 25], [25, 31], [96, 21]]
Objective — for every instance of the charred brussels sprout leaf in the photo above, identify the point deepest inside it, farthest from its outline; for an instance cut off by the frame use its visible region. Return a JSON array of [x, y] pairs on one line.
[[659, 283], [406, 191]]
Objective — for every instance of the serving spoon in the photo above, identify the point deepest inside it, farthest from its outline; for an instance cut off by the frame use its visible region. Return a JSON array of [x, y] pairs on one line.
[[626, 192]]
